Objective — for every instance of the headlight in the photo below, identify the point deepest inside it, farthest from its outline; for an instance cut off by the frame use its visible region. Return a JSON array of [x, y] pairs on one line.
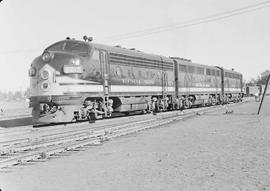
[[46, 57], [45, 86], [44, 74], [68, 69], [32, 72]]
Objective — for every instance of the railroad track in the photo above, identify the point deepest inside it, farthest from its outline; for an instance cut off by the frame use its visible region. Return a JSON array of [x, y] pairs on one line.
[[48, 143], [17, 137]]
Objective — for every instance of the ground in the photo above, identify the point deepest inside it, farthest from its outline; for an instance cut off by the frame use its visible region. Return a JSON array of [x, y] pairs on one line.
[[215, 151], [14, 108]]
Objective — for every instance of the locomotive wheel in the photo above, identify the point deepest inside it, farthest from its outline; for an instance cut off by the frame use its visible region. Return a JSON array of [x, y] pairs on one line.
[[144, 111], [91, 118], [187, 104]]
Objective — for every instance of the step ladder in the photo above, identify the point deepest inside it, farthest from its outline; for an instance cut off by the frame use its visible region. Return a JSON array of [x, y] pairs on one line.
[[105, 94]]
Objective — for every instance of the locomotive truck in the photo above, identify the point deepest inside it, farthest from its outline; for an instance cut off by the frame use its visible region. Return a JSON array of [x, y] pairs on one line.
[[77, 79]]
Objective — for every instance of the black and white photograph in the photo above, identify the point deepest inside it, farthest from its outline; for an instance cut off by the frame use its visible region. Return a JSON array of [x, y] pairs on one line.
[[135, 95]]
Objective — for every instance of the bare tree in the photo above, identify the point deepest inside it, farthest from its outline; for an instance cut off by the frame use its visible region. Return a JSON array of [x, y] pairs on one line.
[[263, 77]]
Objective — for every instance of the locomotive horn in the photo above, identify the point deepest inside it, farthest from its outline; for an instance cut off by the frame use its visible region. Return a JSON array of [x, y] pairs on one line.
[[85, 38], [90, 39]]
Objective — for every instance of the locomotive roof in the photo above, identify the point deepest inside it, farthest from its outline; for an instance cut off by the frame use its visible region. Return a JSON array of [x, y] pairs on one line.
[[118, 50], [131, 52], [231, 71], [180, 61], [136, 53], [186, 62]]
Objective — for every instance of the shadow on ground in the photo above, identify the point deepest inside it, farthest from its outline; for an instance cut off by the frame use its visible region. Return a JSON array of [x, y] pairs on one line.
[[16, 122]]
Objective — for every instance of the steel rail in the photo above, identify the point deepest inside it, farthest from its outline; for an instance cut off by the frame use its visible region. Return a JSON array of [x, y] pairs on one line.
[[48, 149], [65, 137], [59, 133], [62, 130]]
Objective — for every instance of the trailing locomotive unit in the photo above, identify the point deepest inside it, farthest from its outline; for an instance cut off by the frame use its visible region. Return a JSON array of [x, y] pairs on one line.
[[198, 84], [75, 80]]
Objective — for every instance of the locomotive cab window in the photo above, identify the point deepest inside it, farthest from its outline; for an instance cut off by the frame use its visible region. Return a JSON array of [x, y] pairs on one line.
[[95, 55], [56, 47], [102, 57], [95, 66], [70, 46]]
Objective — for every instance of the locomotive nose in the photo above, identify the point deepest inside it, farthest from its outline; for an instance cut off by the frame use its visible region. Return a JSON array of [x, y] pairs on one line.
[[62, 62], [46, 77]]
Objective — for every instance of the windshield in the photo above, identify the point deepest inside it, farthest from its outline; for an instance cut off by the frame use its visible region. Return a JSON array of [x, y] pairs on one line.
[[70, 46]]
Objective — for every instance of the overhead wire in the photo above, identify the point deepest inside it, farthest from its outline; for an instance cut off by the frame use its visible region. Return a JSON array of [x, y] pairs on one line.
[[18, 51], [192, 22], [165, 28]]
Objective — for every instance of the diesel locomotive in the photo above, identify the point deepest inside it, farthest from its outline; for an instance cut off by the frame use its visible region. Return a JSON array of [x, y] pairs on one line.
[[77, 79]]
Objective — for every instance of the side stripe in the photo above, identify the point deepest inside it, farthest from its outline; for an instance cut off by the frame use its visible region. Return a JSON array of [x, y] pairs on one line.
[[118, 88], [199, 89]]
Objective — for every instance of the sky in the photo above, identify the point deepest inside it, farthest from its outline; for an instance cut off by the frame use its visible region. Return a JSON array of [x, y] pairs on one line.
[[241, 41]]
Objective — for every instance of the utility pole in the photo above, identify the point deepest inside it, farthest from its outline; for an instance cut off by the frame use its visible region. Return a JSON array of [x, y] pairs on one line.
[[263, 94]]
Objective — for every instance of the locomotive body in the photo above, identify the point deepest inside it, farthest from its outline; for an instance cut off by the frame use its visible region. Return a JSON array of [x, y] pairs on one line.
[[134, 77], [75, 80], [232, 82], [200, 82]]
